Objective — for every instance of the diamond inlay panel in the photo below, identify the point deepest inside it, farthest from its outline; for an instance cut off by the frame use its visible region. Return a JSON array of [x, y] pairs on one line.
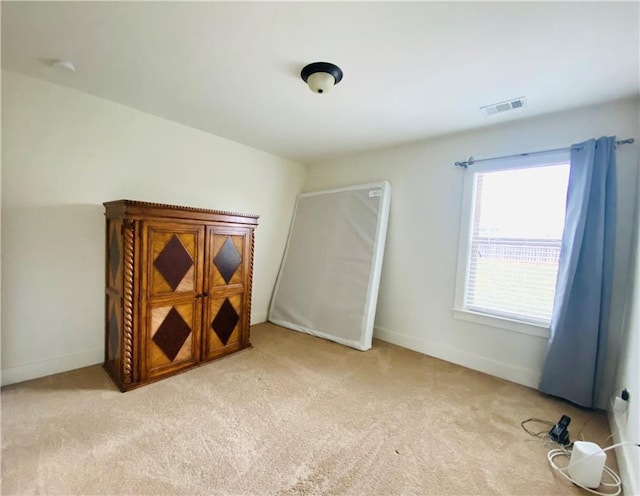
[[228, 260], [172, 334], [114, 255], [225, 322], [173, 262]]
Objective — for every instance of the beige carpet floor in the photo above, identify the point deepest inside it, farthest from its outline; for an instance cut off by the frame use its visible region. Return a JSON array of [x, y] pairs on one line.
[[294, 415]]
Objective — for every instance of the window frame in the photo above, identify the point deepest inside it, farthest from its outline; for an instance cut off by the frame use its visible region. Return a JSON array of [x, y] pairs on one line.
[[460, 311]]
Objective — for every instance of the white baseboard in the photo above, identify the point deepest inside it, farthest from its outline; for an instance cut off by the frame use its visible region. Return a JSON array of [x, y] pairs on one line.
[[629, 472], [258, 317], [511, 373], [20, 373]]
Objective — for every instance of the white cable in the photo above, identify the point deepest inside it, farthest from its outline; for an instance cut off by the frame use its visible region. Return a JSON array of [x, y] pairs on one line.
[[562, 452], [617, 482]]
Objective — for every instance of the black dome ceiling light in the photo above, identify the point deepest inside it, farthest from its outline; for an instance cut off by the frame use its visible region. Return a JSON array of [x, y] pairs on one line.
[[321, 76]]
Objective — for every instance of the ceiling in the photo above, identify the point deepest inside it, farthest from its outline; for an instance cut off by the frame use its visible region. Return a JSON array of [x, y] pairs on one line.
[[412, 70]]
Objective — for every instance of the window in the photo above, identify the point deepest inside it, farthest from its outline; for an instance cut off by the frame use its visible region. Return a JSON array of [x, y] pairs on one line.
[[511, 235]]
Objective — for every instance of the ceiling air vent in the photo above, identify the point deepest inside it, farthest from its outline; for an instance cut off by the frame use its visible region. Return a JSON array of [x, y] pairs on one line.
[[500, 107]]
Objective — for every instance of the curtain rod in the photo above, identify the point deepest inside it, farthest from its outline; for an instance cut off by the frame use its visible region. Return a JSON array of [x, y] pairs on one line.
[[472, 161]]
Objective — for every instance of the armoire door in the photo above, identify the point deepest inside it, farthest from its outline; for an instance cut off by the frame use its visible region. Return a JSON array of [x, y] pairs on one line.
[[225, 329], [173, 278]]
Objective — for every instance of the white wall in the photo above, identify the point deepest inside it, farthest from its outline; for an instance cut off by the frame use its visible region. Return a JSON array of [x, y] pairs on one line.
[[419, 270], [63, 154], [626, 425]]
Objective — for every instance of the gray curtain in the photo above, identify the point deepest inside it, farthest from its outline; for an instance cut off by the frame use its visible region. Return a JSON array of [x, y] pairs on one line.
[[573, 367]]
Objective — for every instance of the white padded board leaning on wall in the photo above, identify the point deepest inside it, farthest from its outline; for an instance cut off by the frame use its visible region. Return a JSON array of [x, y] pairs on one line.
[[330, 274]]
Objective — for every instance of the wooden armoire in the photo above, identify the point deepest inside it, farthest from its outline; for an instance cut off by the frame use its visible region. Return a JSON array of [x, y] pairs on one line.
[[178, 288]]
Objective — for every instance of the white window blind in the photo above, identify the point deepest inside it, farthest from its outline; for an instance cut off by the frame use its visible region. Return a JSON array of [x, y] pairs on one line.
[[517, 221]]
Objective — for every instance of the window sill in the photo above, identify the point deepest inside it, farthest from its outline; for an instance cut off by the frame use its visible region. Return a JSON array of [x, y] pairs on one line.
[[502, 323]]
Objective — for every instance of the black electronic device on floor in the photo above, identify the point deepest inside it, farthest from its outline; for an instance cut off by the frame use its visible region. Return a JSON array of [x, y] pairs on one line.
[[559, 432]]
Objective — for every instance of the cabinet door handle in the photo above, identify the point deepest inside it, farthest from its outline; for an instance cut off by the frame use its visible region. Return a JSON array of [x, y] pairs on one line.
[[202, 295]]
